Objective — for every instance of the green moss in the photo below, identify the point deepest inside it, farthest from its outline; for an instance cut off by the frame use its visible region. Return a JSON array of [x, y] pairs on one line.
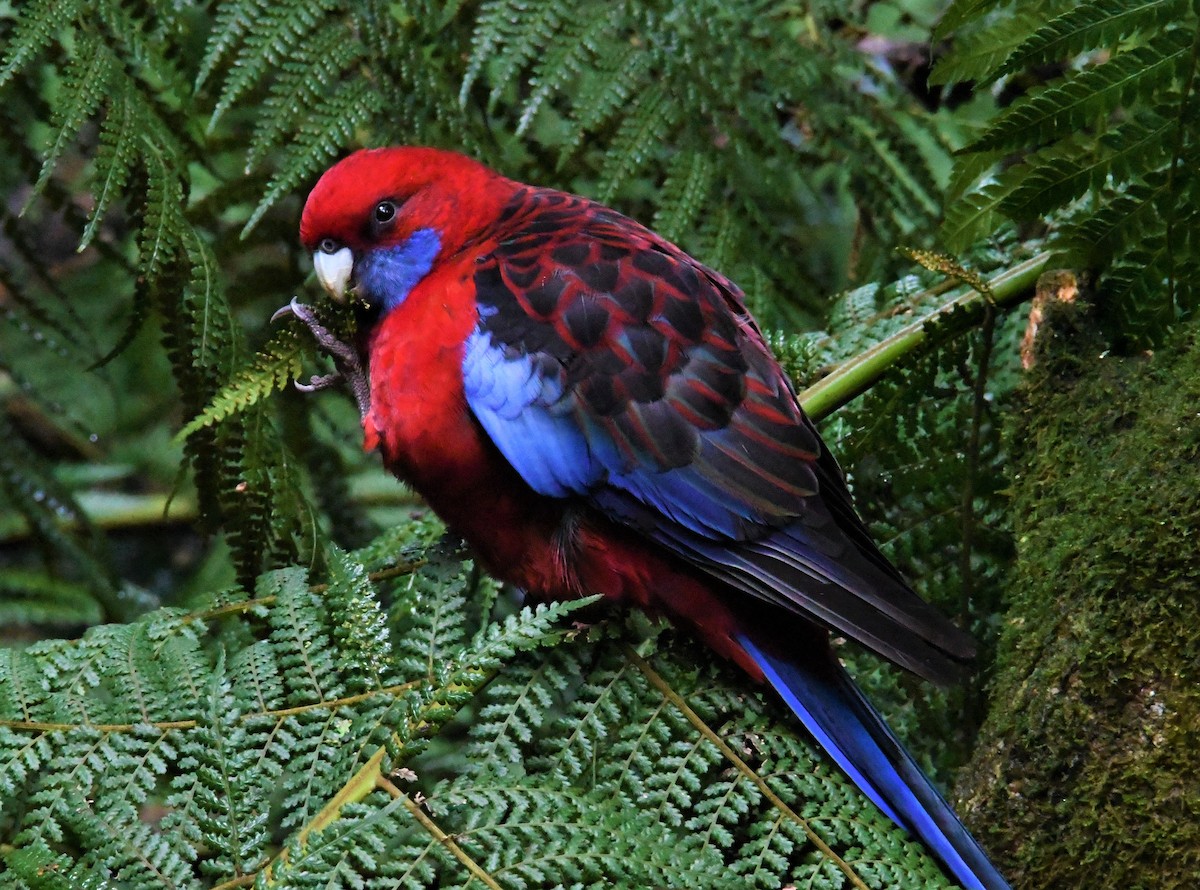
[[1088, 769]]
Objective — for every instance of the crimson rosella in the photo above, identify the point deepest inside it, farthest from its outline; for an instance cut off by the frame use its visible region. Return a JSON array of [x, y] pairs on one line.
[[594, 411]]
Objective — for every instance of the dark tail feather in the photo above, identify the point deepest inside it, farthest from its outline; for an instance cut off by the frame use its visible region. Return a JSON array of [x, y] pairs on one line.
[[844, 723]]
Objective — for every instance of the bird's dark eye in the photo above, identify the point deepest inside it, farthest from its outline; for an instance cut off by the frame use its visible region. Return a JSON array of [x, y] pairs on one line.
[[328, 245], [384, 211]]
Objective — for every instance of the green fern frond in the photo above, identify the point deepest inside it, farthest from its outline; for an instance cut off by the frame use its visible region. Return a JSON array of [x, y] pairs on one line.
[[977, 214], [960, 12], [29, 489], [85, 86], [219, 791], [140, 38], [643, 130], [509, 35], [116, 154], [277, 363], [685, 193], [617, 79], [33, 32], [583, 35], [980, 53], [1082, 99], [302, 83], [161, 231], [901, 167], [1053, 178], [435, 624], [303, 646], [970, 171], [271, 33], [1091, 25], [28, 597], [1107, 231], [230, 25], [360, 630]]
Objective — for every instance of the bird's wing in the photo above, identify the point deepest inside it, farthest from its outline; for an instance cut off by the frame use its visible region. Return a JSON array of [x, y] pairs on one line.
[[610, 366]]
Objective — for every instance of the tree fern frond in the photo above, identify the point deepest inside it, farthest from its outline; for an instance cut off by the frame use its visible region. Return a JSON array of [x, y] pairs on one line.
[[116, 153], [85, 85], [267, 516], [899, 173], [271, 35], [977, 214], [302, 83], [1108, 230], [1079, 100], [434, 625], [359, 625], [523, 29], [517, 704], [617, 79], [1088, 26], [595, 706], [219, 789], [140, 39], [537, 835], [29, 489], [960, 12], [494, 25], [644, 128], [685, 192], [562, 62], [34, 30], [275, 365], [969, 170], [1057, 176], [232, 22], [160, 234], [28, 597], [533, 627], [979, 54], [302, 644]]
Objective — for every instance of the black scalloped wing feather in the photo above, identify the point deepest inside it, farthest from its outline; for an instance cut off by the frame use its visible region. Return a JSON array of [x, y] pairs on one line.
[[617, 368]]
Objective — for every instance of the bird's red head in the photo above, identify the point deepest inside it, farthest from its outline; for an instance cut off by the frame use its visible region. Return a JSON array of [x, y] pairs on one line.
[[379, 199]]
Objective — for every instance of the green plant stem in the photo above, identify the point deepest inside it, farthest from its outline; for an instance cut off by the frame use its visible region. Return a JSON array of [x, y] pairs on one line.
[[440, 836], [855, 376], [656, 680]]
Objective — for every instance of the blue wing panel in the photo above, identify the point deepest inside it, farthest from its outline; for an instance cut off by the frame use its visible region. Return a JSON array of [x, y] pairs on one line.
[[560, 450], [514, 403]]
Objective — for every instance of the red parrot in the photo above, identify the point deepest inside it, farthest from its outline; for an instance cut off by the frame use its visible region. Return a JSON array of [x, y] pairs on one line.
[[594, 411]]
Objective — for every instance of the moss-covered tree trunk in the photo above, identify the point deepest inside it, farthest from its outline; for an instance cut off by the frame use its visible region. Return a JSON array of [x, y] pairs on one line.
[[1088, 769]]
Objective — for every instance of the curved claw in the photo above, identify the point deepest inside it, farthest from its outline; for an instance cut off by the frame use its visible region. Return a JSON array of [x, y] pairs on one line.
[[318, 382], [289, 309]]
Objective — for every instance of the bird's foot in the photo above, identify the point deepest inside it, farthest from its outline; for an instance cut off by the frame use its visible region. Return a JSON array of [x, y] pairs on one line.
[[345, 357]]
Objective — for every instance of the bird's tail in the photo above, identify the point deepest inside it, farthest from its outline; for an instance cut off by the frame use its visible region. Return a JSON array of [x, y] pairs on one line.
[[844, 723]]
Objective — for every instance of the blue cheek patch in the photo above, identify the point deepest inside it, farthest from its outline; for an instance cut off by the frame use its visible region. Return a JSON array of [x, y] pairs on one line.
[[387, 275]]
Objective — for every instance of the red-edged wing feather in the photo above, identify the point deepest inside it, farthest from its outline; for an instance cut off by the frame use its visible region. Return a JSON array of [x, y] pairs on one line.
[[610, 366]]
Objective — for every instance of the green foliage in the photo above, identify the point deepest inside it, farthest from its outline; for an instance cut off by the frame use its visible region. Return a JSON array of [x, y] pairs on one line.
[[1107, 150], [402, 723], [247, 726]]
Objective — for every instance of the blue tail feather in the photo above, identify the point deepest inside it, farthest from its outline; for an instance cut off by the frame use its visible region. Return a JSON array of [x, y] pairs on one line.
[[853, 733]]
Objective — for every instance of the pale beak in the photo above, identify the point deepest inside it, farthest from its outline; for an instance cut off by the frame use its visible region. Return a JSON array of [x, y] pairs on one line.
[[333, 271]]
